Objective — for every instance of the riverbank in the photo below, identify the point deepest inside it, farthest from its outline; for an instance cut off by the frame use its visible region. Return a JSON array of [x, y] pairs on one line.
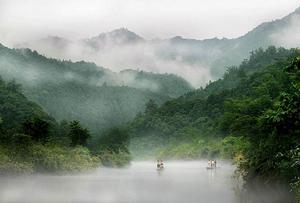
[[48, 158]]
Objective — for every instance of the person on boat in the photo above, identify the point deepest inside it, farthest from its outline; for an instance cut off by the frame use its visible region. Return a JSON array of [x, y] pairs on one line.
[[215, 163], [158, 164], [209, 163], [161, 164]]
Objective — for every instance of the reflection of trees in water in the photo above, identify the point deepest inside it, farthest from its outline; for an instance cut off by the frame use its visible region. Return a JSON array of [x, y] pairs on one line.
[[237, 185], [259, 192], [211, 175]]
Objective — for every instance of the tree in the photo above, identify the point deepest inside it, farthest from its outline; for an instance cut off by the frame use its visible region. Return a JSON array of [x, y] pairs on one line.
[[78, 134], [37, 128], [114, 140], [13, 86], [1, 130], [21, 145], [274, 153], [151, 106], [285, 118]]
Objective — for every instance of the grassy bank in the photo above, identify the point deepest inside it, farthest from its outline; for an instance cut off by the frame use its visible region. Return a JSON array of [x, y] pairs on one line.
[[49, 158]]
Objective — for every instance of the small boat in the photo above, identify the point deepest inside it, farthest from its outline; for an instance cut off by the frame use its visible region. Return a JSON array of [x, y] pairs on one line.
[[160, 165], [212, 164]]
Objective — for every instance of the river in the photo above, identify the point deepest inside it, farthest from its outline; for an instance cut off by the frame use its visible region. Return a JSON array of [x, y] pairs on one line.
[[179, 182]]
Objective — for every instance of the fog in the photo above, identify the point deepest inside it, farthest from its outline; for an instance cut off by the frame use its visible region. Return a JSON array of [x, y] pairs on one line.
[[141, 182], [289, 36], [28, 23], [76, 19], [146, 56], [106, 98], [31, 73], [197, 61], [180, 181]]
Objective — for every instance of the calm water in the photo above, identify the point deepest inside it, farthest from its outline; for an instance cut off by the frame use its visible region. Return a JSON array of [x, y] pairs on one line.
[[140, 183], [179, 182]]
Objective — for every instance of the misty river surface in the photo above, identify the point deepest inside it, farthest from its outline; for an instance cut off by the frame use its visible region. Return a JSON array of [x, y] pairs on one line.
[[179, 182]]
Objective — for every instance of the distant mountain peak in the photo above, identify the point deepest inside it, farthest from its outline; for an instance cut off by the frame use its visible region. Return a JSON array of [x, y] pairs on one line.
[[117, 37], [122, 31], [177, 38], [56, 39], [297, 10]]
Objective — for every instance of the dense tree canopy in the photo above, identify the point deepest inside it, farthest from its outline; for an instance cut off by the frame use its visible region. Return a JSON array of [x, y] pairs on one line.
[[37, 128], [83, 91], [32, 141], [78, 134], [251, 114]]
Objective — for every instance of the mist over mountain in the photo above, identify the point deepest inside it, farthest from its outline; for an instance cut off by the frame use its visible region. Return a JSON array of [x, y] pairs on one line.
[[77, 103], [120, 36], [58, 86], [96, 96], [198, 61]]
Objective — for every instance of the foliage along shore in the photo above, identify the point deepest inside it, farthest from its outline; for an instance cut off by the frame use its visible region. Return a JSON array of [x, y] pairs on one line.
[[32, 141], [251, 115]]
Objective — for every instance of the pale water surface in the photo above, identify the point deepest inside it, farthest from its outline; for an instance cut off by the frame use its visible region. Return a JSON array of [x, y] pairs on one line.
[[179, 182], [187, 181]]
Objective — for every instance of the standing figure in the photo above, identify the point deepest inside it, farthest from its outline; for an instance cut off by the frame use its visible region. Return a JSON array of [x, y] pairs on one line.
[[209, 164], [212, 163], [161, 164], [158, 164]]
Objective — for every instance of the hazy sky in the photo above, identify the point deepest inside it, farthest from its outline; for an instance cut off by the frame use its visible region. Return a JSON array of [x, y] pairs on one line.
[[27, 19]]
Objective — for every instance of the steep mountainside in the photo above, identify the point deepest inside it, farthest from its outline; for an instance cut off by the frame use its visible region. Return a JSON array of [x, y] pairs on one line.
[[16, 109], [252, 115], [120, 36], [96, 96], [200, 113]]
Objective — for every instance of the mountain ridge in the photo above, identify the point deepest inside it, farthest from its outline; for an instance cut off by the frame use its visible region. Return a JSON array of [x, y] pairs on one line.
[[83, 91], [197, 60]]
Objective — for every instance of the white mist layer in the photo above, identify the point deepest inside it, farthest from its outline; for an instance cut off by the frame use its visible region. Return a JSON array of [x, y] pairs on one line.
[[289, 36], [117, 57], [180, 181]]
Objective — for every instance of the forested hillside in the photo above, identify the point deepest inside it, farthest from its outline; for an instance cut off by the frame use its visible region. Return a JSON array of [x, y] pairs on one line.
[[251, 115], [97, 97], [202, 108], [32, 141]]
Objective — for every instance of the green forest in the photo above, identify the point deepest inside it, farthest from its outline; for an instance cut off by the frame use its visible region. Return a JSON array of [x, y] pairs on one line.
[[149, 101], [32, 141], [251, 116], [83, 91]]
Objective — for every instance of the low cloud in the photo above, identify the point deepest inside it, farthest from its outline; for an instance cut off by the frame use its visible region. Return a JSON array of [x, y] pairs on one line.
[[117, 57], [289, 36]]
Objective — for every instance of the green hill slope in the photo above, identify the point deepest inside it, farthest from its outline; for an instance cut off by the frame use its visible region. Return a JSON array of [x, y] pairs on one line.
[[32, 141], [83, 91], [251, 115]]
